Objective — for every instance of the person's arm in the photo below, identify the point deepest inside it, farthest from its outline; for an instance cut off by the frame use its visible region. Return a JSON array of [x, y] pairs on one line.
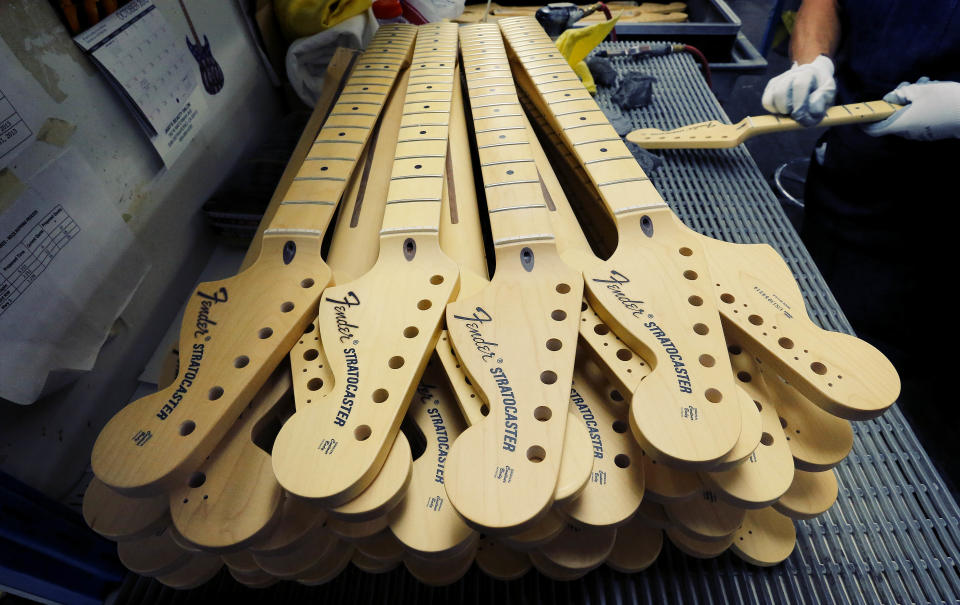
[[816, 31], [807, 89]]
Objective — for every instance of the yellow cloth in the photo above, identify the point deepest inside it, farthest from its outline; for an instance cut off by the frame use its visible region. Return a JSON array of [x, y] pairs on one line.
[[576, 44], [301, 18]]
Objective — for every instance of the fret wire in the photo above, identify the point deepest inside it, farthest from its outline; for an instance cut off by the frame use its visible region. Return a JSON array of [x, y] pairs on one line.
[[497, 129], [650, 206], [415, 200], [501, 184], [404, 177], [500, 145], [604, 123], [500, 162], [523, 207], [318, 178], [570, 113], [307, 202], [546, 237], [324, 159], [597, 141], [621, 181], [499, 115], [600, 160]]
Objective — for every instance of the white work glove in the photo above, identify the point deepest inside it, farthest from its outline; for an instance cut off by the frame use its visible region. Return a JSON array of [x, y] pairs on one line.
[[931, 112], [804, 92]]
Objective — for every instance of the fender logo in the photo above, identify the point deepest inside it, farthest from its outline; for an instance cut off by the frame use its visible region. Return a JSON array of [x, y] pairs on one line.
[[616, 280], [340, 312], [203, 315], [474, 323]]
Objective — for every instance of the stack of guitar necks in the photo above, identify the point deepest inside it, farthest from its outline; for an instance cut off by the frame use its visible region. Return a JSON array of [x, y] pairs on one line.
[[391, 403]]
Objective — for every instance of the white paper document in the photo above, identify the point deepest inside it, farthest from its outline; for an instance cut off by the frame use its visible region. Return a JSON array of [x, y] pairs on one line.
[[152, 70], [68, 267]]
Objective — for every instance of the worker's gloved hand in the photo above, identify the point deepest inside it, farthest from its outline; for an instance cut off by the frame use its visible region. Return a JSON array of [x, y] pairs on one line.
[[931, 112], [804, 92]]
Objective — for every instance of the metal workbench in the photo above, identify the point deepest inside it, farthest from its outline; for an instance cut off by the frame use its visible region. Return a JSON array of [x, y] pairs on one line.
[[892, 536]]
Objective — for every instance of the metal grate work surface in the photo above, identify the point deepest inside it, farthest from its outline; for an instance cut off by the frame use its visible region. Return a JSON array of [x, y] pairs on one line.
[[892, 536]]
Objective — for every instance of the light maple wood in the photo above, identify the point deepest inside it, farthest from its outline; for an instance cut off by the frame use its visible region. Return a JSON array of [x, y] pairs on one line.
[[616, 486], [291, 563], [501, 562], [118, 517], [355, 531], [763, 309], [811, 494], [229, 501], [154, 555], [199, 570], [338, 71], [766, 538], [353, 251], [241, 561], [253, 579], [766, 474], [424, 521], [653, 514], [716, 135], [382, 546], [689, 418], [441, 572], [503, 477], [543, 532], [705, 517], [636, 548], [576, 464], [818, 440], [329, 566], [665, 484], [553, 571], [296, 519], [580, 549], [462, 241], [372, 566], [155, 442], [699, 549], [390, 317]]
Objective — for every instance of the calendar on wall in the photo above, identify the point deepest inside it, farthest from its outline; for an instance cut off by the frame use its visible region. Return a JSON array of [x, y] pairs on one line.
[[150, 67]]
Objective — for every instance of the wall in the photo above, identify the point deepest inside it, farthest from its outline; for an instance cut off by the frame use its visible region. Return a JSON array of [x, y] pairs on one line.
[[47, 445]]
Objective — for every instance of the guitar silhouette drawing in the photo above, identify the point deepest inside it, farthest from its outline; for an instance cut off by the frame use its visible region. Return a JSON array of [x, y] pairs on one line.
[[210, 72]]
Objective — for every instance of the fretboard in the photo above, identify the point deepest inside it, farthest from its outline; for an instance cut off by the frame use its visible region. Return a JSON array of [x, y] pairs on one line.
[[558, 92], [512, 184], [416, 183], [316, 190]]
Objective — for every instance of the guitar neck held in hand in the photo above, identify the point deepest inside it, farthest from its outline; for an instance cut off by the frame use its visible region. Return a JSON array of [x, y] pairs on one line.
[[716, 135]]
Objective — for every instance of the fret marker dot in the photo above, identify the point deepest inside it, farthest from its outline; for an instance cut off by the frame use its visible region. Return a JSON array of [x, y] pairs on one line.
[[503, 136], [322, 168], [603, 150], [567, 95], [418, 166], [509, 172], [426, 107], [423, 132], [583, 118], [342, 134]]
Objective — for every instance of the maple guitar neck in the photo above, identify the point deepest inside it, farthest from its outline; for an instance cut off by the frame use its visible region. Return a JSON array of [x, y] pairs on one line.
[[235, 331], [417, 182], [716, 135], [623, 186], [512, 184]]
